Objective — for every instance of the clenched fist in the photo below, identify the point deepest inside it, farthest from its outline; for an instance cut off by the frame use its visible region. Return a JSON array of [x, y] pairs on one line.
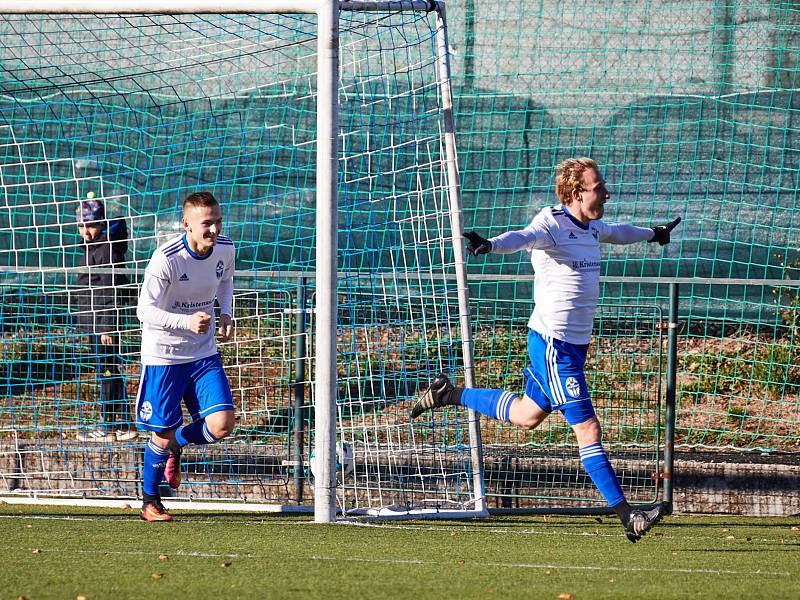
[[199, 322]]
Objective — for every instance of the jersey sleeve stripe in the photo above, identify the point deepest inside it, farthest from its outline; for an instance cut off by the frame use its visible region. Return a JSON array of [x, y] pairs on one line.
[[171, 247]]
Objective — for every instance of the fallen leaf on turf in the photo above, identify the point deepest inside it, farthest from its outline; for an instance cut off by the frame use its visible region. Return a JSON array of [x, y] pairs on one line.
[[730, 537], [611, 580], [658, 534], [460, 561], [28, 526], [547, 572], [793, 528], [163, 557], [225, 565], [157, 575], [22, 597], [566, 596], [37, 551], [81, 598]]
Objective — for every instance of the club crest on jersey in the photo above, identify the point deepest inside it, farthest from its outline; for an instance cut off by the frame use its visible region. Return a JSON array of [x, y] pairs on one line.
[[183, 277], [145, 411], [573, 387], [220, 267]]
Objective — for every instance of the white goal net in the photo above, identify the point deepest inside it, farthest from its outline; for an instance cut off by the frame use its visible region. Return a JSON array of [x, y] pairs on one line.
[[136, 112]]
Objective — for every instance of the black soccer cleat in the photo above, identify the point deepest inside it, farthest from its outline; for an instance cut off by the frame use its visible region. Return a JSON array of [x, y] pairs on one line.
[[640, 521], [438, 394]]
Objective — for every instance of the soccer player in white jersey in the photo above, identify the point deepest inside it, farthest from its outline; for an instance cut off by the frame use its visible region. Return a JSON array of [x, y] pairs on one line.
[[179, 353], [564, 242]]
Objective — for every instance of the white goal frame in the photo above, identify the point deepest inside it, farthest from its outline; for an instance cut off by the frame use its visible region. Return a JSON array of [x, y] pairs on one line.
[[327, 11]]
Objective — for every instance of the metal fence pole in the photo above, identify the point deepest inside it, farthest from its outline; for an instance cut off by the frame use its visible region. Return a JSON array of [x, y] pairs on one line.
[[669, 416], [298, 440]]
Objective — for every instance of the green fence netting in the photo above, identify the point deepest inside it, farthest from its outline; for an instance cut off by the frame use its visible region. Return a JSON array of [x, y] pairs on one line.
[[690, 107]]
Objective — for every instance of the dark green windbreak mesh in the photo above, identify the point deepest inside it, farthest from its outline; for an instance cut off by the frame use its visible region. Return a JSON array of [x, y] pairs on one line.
[[692, 110]]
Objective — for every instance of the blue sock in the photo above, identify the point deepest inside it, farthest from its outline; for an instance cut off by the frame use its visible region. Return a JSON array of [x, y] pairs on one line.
[[194, 433], [155, 459], [599, 468], [492, 403]]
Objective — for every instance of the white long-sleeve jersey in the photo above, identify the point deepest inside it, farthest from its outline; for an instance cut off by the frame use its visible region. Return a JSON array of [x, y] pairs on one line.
[[178, 283], [565, 255]]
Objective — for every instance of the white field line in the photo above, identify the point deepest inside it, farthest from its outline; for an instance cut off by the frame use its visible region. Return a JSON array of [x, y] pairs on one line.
[[396, 561], [589, 530], [644, 569], [564, 567], [133, 518], [462, 529], [221, 521]]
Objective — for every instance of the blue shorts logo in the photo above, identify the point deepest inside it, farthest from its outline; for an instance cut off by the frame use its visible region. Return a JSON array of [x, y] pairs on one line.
[[573, 387], [145, 411], [220, 267]]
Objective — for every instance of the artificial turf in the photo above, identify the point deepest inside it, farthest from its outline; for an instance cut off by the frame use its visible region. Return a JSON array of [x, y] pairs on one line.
[[57, 552]]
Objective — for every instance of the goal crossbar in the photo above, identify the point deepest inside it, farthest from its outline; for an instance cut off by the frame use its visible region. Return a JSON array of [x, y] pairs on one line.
[[186, 7]]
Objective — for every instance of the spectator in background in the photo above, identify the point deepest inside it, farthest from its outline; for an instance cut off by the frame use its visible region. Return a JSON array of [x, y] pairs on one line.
[[103, 299]]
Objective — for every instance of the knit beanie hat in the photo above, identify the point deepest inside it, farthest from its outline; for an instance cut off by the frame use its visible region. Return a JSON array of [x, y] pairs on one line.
[[90, 211]]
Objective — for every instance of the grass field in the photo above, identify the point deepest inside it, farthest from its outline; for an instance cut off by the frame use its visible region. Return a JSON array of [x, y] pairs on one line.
[[57, 552]]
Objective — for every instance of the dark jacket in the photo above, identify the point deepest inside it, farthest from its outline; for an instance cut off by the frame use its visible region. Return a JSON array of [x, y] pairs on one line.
[[100, 300]]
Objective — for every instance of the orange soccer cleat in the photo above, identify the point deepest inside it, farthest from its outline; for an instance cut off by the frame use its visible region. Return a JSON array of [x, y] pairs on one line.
[[154, 511]]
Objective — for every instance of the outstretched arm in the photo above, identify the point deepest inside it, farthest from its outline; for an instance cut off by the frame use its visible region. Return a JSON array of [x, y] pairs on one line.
[[661, 232], [533, 236], [477, 244], [630, 234]]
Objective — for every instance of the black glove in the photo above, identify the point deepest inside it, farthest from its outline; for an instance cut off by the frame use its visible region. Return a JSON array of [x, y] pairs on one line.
[[662, 232], [476, 244]]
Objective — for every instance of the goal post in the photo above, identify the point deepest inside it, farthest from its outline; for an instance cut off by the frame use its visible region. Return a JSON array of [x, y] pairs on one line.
[[213, 105]]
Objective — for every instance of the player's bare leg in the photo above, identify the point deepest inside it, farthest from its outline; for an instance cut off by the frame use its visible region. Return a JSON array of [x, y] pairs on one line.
[[527, 414], [220, 424]]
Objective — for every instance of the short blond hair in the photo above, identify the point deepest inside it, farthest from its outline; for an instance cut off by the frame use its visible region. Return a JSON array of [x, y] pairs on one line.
[[569, 174]]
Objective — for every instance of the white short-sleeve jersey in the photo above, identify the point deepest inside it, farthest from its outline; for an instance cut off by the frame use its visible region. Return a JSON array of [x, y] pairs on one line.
[[178, 283], [565, 255]]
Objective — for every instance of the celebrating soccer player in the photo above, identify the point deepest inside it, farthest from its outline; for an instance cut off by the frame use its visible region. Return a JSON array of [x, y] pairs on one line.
[[564, 242], [179, 353]]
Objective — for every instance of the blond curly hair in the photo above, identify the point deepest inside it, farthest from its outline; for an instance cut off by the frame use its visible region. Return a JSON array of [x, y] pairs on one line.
[[569, 174]]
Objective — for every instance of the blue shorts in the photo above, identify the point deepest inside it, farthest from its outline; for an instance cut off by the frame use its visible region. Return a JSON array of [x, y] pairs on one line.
[[555, 381], [201, 384]]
